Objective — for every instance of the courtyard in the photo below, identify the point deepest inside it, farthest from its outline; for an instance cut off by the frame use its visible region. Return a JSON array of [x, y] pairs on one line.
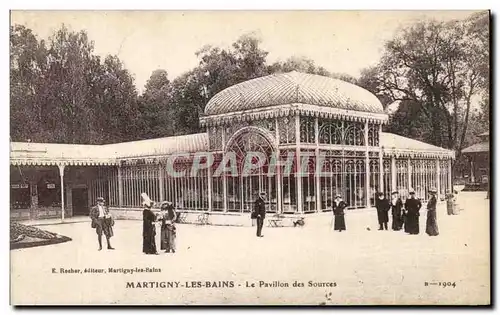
[[361, 265]]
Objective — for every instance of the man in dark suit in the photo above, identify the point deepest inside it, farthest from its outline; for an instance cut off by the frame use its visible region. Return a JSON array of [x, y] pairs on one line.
[[383, 207], [260, 212], [102, 222]]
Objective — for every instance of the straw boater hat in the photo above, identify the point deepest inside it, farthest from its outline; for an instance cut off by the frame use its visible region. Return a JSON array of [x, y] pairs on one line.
[[100, 199], [433, 190], [412, 191]]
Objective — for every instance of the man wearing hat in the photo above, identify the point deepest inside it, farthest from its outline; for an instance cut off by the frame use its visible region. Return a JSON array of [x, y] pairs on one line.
[[102, 222], [383, 207], [260, 212], [431, 227], [412, 206], [396, 209]]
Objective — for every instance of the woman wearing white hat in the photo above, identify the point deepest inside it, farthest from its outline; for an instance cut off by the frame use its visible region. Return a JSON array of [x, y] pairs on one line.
[[431, 227]]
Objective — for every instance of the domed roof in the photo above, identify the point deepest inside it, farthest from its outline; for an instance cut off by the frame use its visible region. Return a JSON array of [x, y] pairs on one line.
[[293, 87]]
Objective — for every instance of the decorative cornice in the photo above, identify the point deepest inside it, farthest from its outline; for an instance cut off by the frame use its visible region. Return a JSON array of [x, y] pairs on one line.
[[439, 154], [41, 162], [291, 110]]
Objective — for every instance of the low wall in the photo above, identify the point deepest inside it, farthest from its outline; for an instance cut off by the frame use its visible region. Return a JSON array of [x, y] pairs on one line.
[[37, 213]]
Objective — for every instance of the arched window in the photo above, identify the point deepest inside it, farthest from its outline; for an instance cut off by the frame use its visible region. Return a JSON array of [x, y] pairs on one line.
[[307, 132], [243, 189], [354, 134], [249, 141], [373, 135], [330, 132]]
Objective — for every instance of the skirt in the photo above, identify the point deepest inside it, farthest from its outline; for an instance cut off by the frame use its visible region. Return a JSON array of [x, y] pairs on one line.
[[431, 227], [339, 223]]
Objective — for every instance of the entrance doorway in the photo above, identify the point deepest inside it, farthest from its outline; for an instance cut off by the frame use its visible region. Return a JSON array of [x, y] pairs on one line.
[[80, 201], [243, 189]]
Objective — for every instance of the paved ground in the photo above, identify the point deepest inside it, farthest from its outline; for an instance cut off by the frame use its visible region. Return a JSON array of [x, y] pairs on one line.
[[368, 267]]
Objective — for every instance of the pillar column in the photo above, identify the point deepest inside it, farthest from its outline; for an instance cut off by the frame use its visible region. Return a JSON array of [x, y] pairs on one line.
[[161, 182], [438, 180], [472, 179], [279, 207], [61, 174], [450, 182], [393, 173], [380, 162], [381, 171], [409, 174], [224, 179], [367, 168], [69, 203], [34, 200], [209, 183], [120, 187], [298, 173], [317, 172]]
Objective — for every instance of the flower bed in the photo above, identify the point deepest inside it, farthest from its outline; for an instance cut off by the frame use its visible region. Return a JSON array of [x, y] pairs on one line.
[[23, 236]]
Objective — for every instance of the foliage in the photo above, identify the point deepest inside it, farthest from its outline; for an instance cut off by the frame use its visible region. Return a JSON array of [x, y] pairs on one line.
[[61, 92], [435, 70]]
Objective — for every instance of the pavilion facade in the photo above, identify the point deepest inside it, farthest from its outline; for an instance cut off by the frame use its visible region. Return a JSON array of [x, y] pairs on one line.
[[330, 129]]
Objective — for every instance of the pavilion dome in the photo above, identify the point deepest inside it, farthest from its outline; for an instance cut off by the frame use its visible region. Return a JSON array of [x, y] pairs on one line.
[[293, 88]]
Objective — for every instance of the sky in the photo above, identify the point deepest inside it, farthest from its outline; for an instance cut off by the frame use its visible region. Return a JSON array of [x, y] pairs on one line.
[[340, 41]]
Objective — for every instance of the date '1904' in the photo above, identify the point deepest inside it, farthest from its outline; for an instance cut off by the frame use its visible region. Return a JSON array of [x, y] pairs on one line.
[[441, 284]]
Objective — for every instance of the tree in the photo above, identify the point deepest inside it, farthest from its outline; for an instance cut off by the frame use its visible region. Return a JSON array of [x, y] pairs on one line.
[[28, 62], [218, 69], [439, 69], [298, 63], [156, 119], [71, 73], [116, 107], [249, 58], [61, 92], [370, 80]]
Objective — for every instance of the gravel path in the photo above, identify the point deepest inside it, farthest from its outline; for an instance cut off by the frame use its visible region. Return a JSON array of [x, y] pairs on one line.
[[353, 267]]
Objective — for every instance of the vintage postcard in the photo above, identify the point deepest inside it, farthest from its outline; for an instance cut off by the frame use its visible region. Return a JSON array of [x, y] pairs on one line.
[[250, 158]]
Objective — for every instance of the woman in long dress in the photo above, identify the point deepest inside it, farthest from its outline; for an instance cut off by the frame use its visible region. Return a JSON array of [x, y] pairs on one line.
[[148, 230], [168, 229], [431, 225], [412, 214], [396, 207], [338, 212]]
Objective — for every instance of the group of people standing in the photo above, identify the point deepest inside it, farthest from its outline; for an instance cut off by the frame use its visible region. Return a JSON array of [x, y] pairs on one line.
[[103, 222], [167, 217], [406, 216]]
